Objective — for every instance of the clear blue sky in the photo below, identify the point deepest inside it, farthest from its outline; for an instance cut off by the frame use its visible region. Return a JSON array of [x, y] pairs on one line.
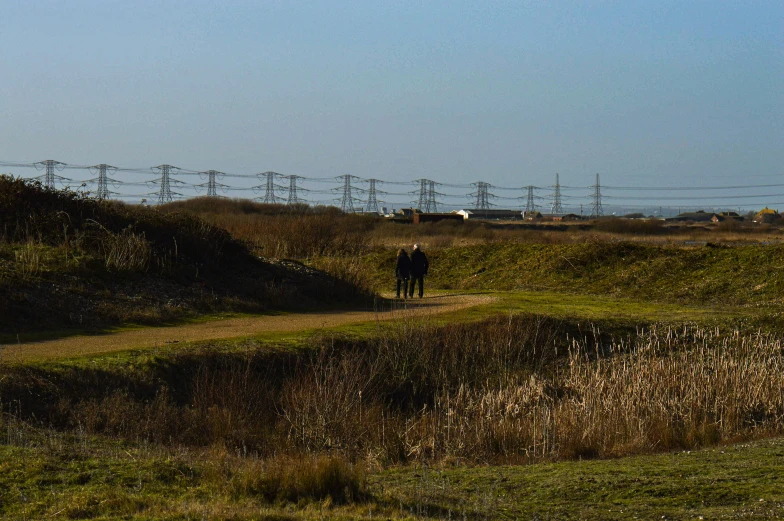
[[646, 93]]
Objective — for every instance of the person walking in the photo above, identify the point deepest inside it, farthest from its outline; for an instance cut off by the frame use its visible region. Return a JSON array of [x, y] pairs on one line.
[[419, 266], [402, 272]]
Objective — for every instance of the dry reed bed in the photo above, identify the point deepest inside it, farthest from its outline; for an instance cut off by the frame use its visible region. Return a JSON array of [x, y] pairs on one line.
[[664, 389], [660, 390], [510, 389]]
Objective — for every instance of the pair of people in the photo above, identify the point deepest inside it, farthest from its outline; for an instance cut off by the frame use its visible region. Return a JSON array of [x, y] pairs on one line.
[[412, 268]]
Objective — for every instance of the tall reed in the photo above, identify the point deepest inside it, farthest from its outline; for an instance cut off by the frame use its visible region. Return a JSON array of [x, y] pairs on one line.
[[508, 389]]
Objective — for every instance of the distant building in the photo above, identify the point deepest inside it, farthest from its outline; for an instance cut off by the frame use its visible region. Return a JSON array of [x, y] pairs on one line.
[[419, 218], [557, 217], [767, 216], [726, 216], [490, 214], [697, 217], [408, 212]]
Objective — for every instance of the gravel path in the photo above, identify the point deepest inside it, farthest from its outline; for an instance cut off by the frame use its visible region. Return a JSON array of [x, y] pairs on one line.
[[147, 338]]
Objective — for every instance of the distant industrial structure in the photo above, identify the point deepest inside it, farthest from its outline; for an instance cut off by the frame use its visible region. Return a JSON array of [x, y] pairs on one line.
[[353, 194]]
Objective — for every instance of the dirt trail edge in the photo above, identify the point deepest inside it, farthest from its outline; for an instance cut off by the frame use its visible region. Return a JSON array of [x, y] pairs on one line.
[[222, 329]]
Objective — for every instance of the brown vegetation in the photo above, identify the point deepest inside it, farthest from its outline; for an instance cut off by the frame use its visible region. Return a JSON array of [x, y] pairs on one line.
[[509, 389], [314, 232]]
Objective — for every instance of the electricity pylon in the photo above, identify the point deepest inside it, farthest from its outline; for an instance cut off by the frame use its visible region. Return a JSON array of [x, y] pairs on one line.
[[49, 166], [372, 202], [557, 207], [596, 206]]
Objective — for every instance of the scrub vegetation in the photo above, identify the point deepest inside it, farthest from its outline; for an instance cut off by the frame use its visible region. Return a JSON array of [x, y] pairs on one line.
[[70, 262]]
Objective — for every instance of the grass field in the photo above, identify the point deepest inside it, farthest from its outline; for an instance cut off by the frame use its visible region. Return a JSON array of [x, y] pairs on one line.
[[48, 475]]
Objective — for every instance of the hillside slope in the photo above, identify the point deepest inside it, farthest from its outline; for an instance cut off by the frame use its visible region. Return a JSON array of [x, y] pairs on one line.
[[67, 260], [738, 275]]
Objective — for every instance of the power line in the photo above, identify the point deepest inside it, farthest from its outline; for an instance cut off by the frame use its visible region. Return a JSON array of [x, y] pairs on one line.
[[428, 198]]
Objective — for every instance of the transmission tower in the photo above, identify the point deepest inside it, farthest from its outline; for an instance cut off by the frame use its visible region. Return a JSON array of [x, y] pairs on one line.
[[293, 197], [164, 183], [596, 206], [431, 206], [482, 199], [530, 204], [103, 180], [212, 189], [557, 207], [269, 187], [347, 199], [49, 167], [372, 202], [212, 183], [424, 193]]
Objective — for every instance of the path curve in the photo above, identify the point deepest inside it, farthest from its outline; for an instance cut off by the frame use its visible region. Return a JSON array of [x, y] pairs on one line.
[[222, 329]]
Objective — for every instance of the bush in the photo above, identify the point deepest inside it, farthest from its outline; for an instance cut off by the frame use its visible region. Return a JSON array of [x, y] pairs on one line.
[[315, 478], [127, 251]]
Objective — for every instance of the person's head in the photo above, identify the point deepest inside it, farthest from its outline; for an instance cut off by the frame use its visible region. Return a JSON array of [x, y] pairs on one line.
[[401, 251], [416, 246]]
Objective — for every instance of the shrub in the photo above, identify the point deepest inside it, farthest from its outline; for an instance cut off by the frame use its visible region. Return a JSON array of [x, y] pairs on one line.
[[28, 259], [315, 478], [127, 251]]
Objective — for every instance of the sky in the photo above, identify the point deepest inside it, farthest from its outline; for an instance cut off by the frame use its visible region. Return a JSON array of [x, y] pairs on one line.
[[645, 93]]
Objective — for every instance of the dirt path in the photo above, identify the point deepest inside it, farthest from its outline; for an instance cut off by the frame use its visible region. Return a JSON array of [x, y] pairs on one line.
[[147, 338]]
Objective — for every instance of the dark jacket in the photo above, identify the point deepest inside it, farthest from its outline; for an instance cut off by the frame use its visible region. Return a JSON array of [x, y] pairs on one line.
[[403, 268], [419, 264]]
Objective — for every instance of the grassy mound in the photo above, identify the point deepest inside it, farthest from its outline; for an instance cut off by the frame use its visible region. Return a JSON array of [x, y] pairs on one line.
[[67, 260], [738, 275]]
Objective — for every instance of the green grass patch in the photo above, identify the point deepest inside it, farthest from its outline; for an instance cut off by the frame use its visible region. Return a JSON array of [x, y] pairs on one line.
[[738, 275], [71, 477], [726, 482]]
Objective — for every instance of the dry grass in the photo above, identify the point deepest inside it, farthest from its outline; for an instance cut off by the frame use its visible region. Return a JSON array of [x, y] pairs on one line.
[[509, 389], [28, 259], [661, 390], [308, 232], [127, 251], [281, 231], [290, 478]]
